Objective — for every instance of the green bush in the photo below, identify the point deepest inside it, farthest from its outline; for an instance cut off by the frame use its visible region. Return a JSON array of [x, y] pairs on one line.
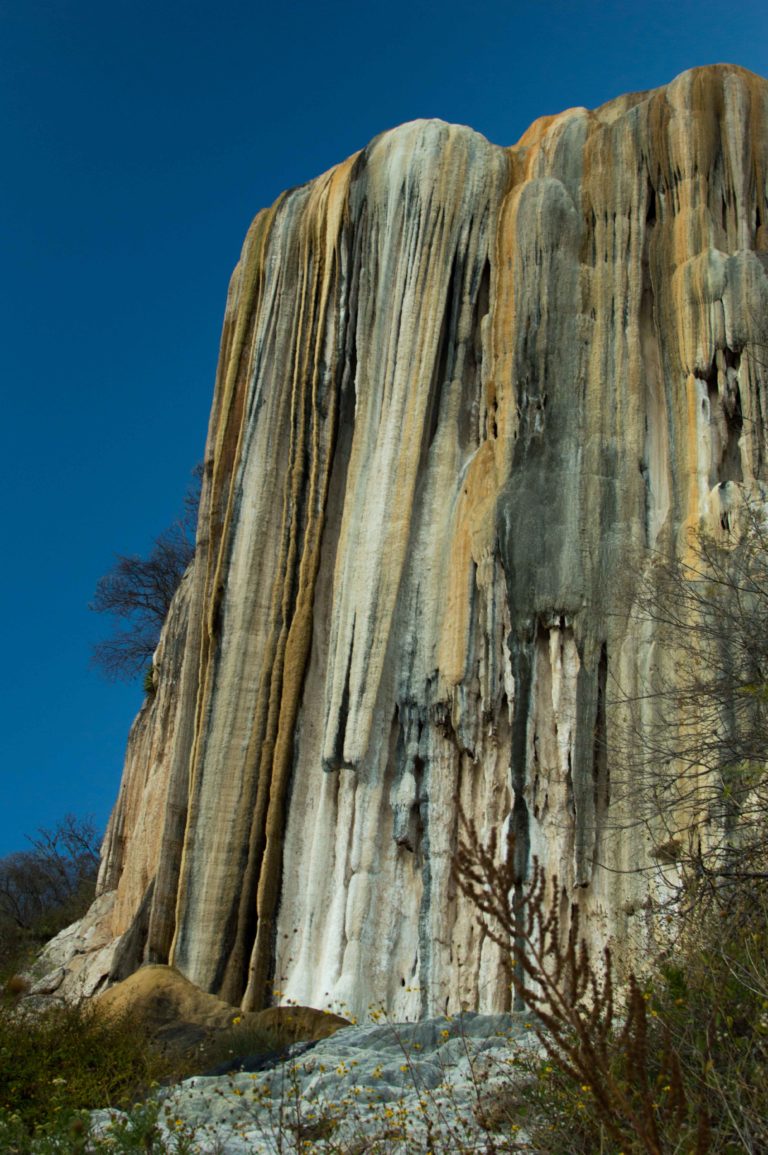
[[136, 1132], [693, 1075], [60, 1060]]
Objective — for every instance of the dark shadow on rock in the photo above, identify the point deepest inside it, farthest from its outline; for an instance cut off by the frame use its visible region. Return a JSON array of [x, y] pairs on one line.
[[266, 1061]]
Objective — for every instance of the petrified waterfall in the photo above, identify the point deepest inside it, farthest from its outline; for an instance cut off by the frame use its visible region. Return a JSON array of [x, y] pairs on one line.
[[464, 392]]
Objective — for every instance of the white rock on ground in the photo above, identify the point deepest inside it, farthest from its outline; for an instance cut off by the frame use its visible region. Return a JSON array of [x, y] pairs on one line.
[[400, 1088]]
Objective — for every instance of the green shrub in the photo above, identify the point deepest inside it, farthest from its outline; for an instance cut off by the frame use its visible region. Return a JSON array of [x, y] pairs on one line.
[[136, 1132], [57, 1061]]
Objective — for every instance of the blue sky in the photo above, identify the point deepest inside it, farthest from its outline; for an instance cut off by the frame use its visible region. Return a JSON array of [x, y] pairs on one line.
[[138, 139]]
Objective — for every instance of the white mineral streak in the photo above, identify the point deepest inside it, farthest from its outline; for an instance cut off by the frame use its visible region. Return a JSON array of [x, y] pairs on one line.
[[463, 391]]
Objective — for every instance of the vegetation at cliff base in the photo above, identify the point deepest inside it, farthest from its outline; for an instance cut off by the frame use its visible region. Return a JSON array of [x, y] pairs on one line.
[[672, 1060], [61, 1059]]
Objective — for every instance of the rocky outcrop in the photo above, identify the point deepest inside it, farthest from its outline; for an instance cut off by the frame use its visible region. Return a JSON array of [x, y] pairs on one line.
[[464, 392], [439, 1085]]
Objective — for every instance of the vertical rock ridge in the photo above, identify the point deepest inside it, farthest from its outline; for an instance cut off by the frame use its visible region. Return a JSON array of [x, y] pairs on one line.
[[244, 904]]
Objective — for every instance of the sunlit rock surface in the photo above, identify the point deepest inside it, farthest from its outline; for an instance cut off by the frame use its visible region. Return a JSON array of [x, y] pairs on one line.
[[463, 392]]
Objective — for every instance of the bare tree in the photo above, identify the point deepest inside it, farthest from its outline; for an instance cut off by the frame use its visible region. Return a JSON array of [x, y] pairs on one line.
[[69, 853], [45, 888], [25, 889], [140, 590], [694, 754]]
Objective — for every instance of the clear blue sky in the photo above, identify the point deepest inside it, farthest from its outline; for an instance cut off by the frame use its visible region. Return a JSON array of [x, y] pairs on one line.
[[138, 139]]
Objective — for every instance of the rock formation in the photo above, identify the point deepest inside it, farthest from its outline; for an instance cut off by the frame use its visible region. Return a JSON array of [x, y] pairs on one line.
[[446, 1084], [464, 392]]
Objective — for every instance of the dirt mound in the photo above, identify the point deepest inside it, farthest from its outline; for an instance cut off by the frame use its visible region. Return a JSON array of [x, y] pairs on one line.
[[176, 1013], [297, 1024]]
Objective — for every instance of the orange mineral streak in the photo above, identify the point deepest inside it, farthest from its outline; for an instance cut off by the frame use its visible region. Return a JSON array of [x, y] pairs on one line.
[[324, 216], [136, 826], [225, 440], [287, 640], [473, 538]]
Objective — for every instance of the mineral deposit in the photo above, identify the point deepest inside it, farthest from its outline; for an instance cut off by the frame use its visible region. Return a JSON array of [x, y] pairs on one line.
[[464, 393]]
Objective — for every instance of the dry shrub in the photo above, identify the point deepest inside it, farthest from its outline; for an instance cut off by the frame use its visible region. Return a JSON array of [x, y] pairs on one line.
[[16, 986], [678, 1063]]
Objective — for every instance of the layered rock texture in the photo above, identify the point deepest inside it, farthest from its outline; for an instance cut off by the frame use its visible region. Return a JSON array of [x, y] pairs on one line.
[[464, 393]]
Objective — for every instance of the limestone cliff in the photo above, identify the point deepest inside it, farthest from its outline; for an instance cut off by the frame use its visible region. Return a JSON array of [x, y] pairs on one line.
[[463, 392]]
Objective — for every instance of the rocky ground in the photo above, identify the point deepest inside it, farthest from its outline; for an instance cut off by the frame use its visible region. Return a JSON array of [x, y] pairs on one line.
[[440, 1085]]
